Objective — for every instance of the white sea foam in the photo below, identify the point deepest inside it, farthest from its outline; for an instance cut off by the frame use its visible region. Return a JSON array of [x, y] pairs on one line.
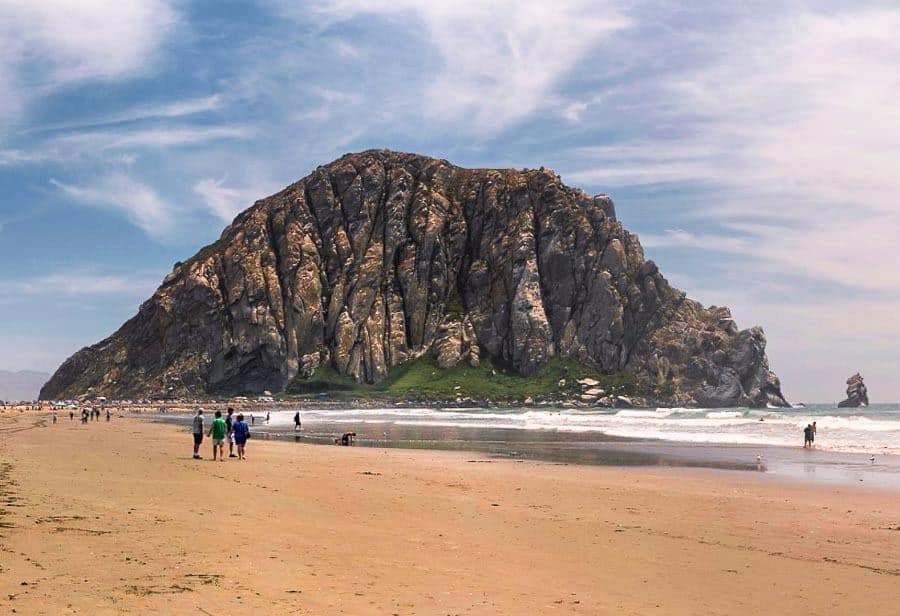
[[724, 414], [657, 414], [874, 431]]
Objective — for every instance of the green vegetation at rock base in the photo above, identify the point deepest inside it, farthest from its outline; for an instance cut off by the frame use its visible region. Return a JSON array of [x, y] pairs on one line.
[[423, 379]]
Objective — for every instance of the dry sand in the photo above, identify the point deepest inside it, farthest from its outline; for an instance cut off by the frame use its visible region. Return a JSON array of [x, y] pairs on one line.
[[114, 518]]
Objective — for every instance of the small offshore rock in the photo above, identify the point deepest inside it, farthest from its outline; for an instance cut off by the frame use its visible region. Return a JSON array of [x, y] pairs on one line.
[[857, 393]]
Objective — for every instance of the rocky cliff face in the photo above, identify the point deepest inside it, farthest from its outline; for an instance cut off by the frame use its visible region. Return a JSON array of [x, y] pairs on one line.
[[857, 394], [382, 257]]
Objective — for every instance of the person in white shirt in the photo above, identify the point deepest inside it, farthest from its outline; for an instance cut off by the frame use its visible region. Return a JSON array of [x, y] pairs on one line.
[[198, 433]]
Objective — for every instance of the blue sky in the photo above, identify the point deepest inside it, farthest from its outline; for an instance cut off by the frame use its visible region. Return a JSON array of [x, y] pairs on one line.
[[754, 148]]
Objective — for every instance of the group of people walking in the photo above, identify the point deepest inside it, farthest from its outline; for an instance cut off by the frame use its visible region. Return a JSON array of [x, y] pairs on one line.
[[231, 428], [87, 414]]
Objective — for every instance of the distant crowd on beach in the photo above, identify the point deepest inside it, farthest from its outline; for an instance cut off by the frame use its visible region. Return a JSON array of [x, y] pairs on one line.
[[88, 414]]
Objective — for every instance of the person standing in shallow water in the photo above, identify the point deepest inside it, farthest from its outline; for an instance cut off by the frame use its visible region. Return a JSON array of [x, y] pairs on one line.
[[217, 431], [807, 436], [296, 421], [812, 441], [241, 434]]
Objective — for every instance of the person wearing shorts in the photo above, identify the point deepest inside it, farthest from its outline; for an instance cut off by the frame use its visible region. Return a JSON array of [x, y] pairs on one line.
[[241, 434], [229, 432], [198, 433], [217, 431]]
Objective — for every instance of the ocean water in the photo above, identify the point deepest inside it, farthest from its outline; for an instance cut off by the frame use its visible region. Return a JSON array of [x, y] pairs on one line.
[[857, 447], [871, 430]]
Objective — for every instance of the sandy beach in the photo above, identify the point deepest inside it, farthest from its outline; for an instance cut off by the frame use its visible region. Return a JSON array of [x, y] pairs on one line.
[[114, 518]]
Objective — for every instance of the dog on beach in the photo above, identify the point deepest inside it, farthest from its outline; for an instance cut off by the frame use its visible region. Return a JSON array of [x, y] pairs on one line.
[[346, 439]]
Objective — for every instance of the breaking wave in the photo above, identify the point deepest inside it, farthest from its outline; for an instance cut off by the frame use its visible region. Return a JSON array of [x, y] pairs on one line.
[[875, 429]]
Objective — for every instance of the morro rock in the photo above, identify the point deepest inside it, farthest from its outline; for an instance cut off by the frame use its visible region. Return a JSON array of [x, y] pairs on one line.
[[381, 257], [857, 394]]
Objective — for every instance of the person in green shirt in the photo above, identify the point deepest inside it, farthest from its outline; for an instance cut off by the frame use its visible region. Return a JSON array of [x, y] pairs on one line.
[[217, 431]]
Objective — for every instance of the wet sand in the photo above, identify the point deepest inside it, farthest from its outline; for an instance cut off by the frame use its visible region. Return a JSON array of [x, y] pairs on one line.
[[816, 465], [116, 518]]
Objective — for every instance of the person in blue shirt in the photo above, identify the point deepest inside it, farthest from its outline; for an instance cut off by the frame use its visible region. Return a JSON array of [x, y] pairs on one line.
[[241, 434]]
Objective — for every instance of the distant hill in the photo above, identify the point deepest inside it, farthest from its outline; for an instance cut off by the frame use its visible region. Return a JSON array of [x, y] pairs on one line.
[[22, 385]]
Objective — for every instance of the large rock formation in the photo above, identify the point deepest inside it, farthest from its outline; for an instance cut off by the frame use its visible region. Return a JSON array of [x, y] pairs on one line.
[[857, 394], [382, 257]]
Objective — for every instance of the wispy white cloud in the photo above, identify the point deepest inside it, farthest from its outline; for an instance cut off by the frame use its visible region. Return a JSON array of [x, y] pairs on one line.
[[12, 157], [649, 161], [799, 132], [573, 111], [83, 282], [679, 238], [138, 202], [10, 97], [174, 109], [642, 173], [149, 137], [118, 144], [225, 202], [161, 111], [346, 49], [87, 39], [76, 40], [501, 59], [808, 110]]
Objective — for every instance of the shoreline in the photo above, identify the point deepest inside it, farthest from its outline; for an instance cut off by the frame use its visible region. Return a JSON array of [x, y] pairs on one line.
[[795, 464], [115, 517], [592, 448]]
